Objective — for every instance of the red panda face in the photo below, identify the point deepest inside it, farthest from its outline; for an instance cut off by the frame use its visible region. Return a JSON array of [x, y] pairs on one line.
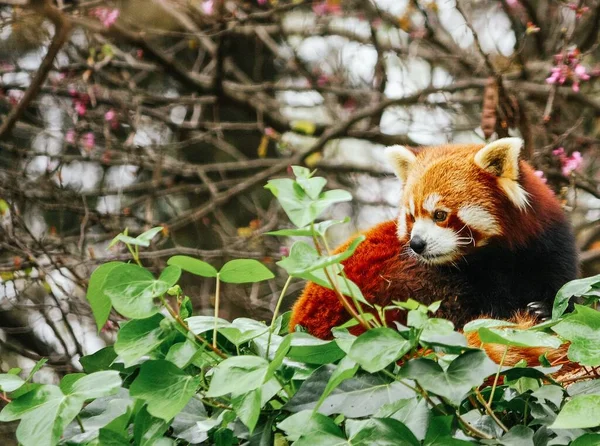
[[454, 198]]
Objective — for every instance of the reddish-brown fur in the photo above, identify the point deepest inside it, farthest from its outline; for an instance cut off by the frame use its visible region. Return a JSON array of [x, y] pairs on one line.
[[384, 275]]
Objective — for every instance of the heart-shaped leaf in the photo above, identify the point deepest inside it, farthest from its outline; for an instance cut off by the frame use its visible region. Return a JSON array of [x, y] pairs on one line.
[[467, 371]]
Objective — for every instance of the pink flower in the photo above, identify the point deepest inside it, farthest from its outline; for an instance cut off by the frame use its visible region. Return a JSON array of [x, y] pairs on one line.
[[270, 132], [207, 7], [569, 164], [581, 72], [70, 136], [15, 96], [326, 7], [89, 141], [572, 163], [80, 107], [107, 16], [322, 80], [284, 251], [512, 3], [540, 175], [262, 2], [109, 115]]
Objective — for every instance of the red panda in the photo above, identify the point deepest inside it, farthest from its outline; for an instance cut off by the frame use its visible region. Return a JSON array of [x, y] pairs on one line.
[[476, 229]]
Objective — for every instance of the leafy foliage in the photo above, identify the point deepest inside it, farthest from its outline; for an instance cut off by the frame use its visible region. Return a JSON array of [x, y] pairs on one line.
[[175, 378]]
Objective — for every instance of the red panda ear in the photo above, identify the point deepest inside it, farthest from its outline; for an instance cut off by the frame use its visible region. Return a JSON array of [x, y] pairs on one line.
[[501, 158], [401, 160]]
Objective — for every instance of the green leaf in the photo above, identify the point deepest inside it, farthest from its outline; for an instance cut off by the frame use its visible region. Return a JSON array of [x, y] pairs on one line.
[[346, 369], [101, 360], [467, 371], [132, 290], [298, 206], [139, 337], [149, 234], [112, 413], [320, 228], [188, 424], [413, 413], [587, 440], [99, 301], [247, 408], [311, 350], [244, 271], [194, 266], [183, 353], [147, 429], [9, 383], [96, 385], [238, 375], [375, 349], [346, 286], [518, 338], [486, 323], [202, 324], [580, 287], [312, 186], [582, 328], [165, 388], [356, 397], [44, 414], [518, 436], [304, 258], [380, 432], [582, 411], [311, 427], [242, 330]]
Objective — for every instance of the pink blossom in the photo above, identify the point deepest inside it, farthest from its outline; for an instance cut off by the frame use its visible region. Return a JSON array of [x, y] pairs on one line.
[[578, 11], [284, 251], [270, 132], [70, 136], [207, 7], [540, 175], [322, 80], [72, 91], [15, 96], [80, 107], [512, 3], [581, 72], [107, 16], [262, 2], [89, 141], [109, 115], [326, 7], [571, 163]]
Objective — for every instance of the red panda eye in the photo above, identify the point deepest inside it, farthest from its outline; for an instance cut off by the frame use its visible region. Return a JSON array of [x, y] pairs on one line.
[[440, 216]]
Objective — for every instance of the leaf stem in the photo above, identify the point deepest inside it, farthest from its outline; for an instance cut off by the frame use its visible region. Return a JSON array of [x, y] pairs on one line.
[[217, 296], [349, 308], [185, 326], [489, 410], [78, 418], [276, 312], [497, 376]]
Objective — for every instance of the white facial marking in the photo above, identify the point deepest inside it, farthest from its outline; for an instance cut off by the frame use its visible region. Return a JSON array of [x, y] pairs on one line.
[[431, 202], [478, 218], [401, 231], [441, 243], [411, 206]]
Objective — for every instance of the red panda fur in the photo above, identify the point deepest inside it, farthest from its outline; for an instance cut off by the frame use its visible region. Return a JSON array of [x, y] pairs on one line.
[[531, 257]]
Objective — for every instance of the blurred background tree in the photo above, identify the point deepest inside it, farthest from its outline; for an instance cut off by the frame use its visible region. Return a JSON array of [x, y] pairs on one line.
[[142, 113]]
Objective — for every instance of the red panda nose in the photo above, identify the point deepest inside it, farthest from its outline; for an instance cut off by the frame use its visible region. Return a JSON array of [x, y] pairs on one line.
[[417, 244]]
